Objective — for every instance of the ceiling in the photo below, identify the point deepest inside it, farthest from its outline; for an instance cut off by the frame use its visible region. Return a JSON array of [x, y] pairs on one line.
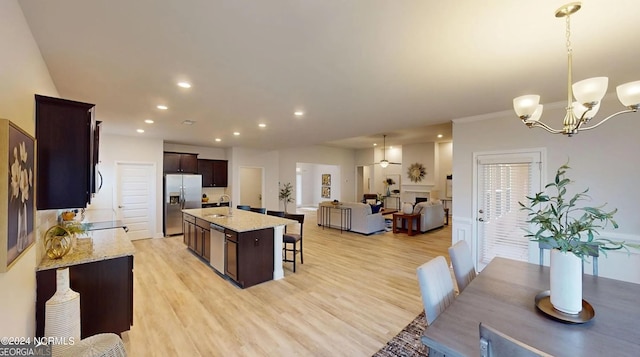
[[358, 69]]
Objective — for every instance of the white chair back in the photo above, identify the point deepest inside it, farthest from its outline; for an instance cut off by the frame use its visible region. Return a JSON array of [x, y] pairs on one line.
[[462, 262], [494, 343], [436, 287]]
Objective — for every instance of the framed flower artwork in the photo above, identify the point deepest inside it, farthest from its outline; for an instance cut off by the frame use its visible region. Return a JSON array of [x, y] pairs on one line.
[[17, 176]]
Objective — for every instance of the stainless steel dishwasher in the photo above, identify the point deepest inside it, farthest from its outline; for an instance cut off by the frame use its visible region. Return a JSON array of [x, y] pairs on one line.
[[217, 248]]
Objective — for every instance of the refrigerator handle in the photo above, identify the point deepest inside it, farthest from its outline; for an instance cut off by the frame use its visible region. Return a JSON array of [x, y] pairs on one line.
[[182, 198]]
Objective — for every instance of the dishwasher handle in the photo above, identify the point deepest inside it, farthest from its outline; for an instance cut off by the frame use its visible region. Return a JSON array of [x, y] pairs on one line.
[[217, 227]]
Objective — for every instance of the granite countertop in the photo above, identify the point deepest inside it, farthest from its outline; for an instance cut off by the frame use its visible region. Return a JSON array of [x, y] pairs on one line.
[[93, 246], [240, 220]]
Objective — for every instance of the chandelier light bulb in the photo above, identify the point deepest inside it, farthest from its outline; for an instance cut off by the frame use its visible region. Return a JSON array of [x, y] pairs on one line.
[[384, 163]]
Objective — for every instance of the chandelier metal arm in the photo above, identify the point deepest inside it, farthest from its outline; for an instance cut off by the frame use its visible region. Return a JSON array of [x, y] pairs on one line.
[[539, 124], [607, 118]]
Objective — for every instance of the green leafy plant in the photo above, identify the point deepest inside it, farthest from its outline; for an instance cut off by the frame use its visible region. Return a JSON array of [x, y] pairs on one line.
[[285, 195], [564, 226], [68, 228]]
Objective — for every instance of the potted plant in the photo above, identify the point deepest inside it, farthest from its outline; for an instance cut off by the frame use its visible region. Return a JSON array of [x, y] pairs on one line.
[[570, 231], [286, 191]]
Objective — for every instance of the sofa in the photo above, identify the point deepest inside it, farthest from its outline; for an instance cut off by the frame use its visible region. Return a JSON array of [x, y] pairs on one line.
[[431, 215], [362, 219]]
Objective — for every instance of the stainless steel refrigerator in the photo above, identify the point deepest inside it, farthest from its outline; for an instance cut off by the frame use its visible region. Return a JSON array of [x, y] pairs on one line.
[[180, 192]]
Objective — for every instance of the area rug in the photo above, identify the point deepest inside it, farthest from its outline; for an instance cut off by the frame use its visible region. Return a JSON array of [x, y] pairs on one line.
[[407, 343]]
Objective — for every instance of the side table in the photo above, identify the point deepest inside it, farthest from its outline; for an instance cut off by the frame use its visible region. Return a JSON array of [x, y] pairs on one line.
[[409, 219]]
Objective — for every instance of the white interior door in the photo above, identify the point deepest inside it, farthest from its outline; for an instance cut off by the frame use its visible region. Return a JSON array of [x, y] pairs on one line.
[[251, 186], [135, 198], [501, 181]]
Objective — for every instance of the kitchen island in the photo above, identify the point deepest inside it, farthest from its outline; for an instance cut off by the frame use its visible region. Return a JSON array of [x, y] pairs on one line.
[[241, 245]]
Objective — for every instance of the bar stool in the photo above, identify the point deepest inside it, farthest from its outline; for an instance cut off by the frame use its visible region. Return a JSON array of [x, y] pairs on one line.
[[290, 241]]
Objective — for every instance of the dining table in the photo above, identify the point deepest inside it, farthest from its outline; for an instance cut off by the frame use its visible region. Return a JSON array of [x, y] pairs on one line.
[[503, 296]]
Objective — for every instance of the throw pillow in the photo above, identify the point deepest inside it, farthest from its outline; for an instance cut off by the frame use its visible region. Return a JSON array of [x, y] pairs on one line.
[[375, 208]]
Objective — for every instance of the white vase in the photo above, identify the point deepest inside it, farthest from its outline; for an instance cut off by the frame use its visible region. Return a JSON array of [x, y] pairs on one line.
[[407, 208], [62, 314], [22, 228], [566, 282]]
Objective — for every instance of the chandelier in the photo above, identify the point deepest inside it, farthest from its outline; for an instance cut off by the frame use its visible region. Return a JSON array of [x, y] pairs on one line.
[[588, 94]]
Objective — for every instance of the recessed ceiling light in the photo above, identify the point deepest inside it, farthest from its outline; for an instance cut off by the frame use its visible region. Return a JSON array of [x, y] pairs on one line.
[[140, 131], [162, 107], [184, 84], [298, 113], [188, 122], [149, 121], [236, 133], [262, 125], [218, 140], [439, 135], [374, 144]]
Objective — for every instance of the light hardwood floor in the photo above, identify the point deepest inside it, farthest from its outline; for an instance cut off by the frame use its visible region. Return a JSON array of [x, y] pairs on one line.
[[352, 294]]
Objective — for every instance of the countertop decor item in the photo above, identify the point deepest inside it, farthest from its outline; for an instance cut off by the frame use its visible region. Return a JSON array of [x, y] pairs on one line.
[[588, 94], [570, 232], [61, 238]]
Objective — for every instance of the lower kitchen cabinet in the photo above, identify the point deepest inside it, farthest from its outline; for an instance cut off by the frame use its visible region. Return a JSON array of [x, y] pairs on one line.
[[197, 235], [106, 295], [249, 256]]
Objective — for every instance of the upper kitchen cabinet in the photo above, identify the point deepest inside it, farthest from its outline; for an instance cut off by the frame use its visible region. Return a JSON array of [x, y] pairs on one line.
[[214, 172], [66, 153], [177, 162]]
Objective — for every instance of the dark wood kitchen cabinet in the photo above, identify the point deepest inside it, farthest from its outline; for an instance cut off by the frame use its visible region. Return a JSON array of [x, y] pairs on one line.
[[106, 295], [214, 172], [66, 153], [178, 162], [197, 235], [249, 256]]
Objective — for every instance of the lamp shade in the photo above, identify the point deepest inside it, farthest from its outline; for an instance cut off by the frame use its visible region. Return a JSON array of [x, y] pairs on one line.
[[526, 105], [629, 94], [579, 109], [590, 90], [537, 113]]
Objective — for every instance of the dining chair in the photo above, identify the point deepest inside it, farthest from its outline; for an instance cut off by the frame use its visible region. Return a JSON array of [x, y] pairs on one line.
[[593, 251], [244, 207], [276, 213], [494, 343], [462, 262], [436, 287], [290, 240], [258, 210]]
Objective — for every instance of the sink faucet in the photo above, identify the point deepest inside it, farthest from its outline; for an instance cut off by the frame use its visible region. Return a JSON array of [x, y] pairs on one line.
[[222, 197]]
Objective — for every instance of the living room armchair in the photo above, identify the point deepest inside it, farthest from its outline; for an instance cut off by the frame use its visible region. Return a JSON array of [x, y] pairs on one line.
[[431, 215]]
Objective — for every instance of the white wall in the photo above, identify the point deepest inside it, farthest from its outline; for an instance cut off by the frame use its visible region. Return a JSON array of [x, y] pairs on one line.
[[128, 149], [22, 73], [268, 160], [322, 155], [603, 160]]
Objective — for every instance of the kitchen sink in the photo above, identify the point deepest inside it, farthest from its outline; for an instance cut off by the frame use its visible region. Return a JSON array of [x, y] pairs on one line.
[[215, 215]]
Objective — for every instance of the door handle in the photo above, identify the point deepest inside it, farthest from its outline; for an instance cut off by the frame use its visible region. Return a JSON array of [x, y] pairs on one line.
[[481, 219], [120, 206]]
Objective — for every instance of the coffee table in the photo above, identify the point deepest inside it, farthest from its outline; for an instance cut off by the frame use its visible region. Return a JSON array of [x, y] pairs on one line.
[[409, 218]]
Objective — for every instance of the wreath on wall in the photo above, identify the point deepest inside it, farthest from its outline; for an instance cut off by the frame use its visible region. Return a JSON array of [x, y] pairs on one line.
[[416, 172]]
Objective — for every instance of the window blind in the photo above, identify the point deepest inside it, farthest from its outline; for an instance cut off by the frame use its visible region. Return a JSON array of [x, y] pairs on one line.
[[502, 232]]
